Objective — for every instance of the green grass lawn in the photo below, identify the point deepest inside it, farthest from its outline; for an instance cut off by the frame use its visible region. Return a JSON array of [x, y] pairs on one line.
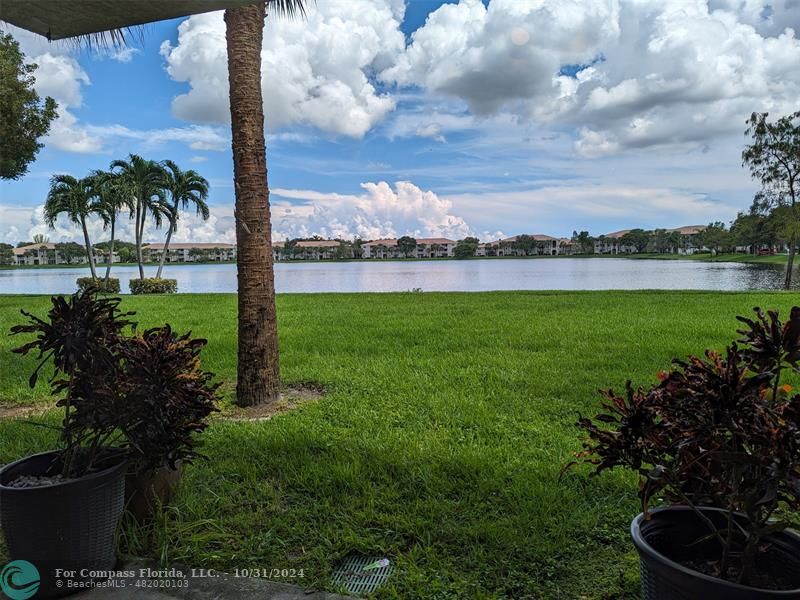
[[774, 259], [439, 443]]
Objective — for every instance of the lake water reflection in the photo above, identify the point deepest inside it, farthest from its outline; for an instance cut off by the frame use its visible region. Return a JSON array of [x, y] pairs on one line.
[[444, 275]]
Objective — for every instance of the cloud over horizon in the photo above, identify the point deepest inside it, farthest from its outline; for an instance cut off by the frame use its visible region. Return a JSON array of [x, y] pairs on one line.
[[385, 211]]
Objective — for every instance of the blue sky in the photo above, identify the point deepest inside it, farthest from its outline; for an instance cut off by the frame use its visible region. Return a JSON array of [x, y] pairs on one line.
[[484, 118]]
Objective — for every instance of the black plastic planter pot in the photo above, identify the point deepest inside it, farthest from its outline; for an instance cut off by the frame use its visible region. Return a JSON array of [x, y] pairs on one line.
[[68, 526], [672, 531]]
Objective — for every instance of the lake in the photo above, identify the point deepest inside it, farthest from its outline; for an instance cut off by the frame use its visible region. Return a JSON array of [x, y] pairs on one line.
[[444, 275]]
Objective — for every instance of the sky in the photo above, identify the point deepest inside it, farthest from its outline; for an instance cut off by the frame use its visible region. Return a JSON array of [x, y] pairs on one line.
[[489, 118]]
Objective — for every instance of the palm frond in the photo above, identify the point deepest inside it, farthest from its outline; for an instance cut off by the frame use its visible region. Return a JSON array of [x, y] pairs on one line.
[[287, 8], [112, 38]]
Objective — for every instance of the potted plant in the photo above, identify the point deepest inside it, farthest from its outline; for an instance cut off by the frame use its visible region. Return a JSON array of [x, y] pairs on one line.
[[132, 403], [161, 377], [717, 444], [60, 509]]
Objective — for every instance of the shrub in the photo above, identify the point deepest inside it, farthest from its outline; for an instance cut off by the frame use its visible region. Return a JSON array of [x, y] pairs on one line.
[[162, 380], [719, 431], [102, 286], [153, 285], [81, 337], [143, 393]]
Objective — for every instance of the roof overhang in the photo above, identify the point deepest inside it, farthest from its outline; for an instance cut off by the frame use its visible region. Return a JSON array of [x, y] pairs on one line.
[[59, 19]]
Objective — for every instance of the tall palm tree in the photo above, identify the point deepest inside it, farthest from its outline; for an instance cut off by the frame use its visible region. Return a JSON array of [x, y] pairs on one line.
[[145, 179], [258, 374], [185, 188], [112, 195], [73, 198]]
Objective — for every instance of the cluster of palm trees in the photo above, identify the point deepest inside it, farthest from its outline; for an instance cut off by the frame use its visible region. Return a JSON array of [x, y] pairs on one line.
[[143, 188]]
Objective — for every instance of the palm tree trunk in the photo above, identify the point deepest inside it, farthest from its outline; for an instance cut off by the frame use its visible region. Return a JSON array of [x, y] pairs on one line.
[[143, 216], [138, 238], [258, 370], [111, 248], [787, 283], [166, 249], [89, 253]]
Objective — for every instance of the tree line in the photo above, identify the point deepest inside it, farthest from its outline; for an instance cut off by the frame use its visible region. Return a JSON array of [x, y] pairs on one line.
[[750, 232]]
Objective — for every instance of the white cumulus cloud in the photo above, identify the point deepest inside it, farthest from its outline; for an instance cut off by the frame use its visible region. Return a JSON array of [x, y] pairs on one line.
[[315, 71], [381, 211], [503, 54], [625, 74]]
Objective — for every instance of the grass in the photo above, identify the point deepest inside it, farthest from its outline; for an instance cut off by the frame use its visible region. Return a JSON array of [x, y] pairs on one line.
[[773, 259], [439, 443]]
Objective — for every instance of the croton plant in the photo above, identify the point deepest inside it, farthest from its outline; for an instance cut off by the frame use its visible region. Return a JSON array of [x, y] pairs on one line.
[[718, 431], [145, 393]]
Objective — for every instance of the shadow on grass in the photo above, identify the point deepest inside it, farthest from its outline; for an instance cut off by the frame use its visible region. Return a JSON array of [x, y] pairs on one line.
[[458, 521]]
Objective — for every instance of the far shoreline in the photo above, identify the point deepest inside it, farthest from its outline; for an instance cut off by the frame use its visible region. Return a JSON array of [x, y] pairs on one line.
[[773, 259]]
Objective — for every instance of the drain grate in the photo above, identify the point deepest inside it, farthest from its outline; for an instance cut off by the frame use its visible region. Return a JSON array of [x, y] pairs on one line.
[[362, 575]]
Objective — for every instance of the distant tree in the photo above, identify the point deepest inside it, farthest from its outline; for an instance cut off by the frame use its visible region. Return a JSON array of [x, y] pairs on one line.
[[773, 206], [112, 193], [6, 254], [358, 251], [675, 241], [780, 225], [146, 179], [25, 117], [126, 254], [585, 242], [773, 158], [381, 249], [343, 250], [73, 198], [747, 230], [40, 238], [659, 240], [185, 188], [525, 244], [406, 245], [289, 248], [716, 237], [197, 253], [466, 248], [638, 238], [69, 251]]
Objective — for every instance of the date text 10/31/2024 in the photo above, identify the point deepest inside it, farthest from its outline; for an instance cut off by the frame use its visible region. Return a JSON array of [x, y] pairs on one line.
[[266, 573]]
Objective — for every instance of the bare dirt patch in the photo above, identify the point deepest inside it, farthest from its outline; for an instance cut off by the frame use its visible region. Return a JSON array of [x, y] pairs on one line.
[[291, 397], [18, 411]]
